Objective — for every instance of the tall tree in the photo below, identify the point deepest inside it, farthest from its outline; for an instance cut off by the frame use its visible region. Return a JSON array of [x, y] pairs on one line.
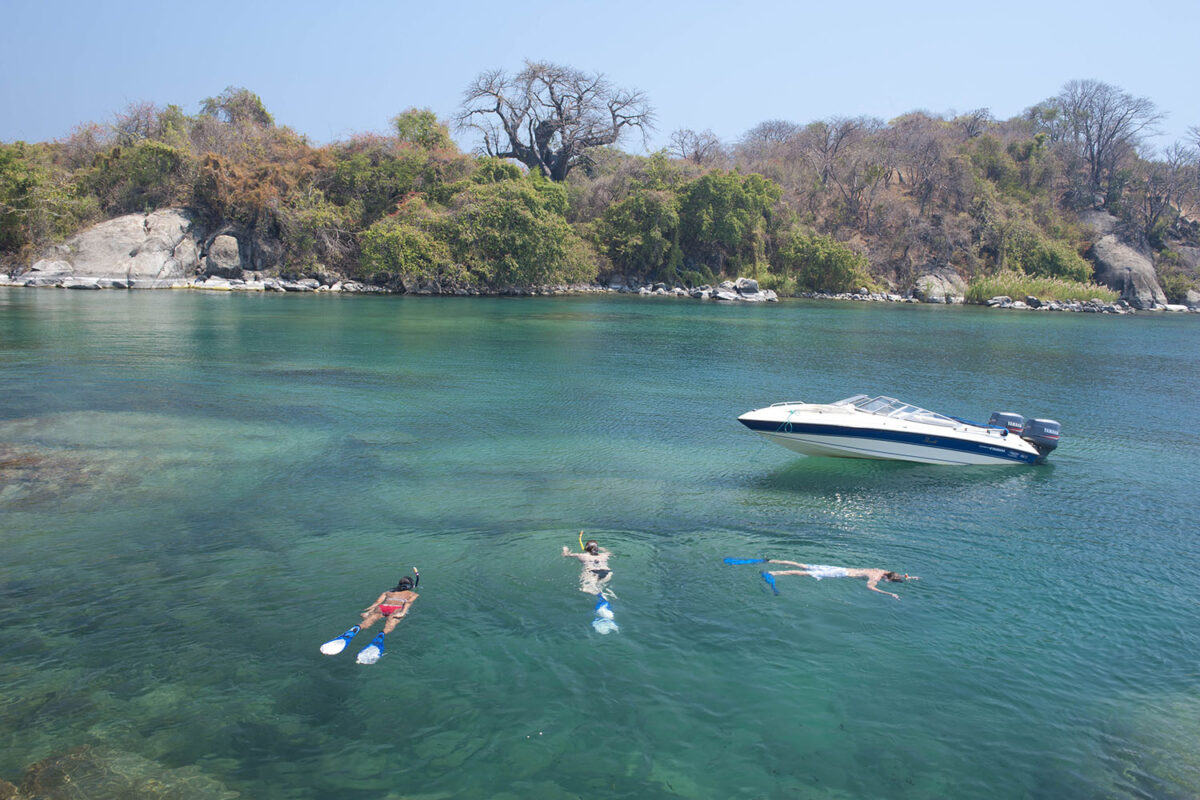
[[1167, 189], [237, 106], [548, 116], [699, 148], [421, 127], [1103, 123]]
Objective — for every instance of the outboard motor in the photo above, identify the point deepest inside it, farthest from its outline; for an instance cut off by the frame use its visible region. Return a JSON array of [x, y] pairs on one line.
[[1015, 423], [1042, 434]]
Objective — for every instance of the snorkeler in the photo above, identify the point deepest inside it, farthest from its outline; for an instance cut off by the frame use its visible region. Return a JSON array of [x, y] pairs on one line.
[[393, 605], [595, 575], [818, 571]]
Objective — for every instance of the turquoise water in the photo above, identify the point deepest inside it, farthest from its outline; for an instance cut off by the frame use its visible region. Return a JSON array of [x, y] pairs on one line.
[[196, 490]]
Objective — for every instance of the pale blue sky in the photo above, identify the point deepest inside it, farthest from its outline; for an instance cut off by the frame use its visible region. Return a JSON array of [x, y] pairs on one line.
[[331, 70]]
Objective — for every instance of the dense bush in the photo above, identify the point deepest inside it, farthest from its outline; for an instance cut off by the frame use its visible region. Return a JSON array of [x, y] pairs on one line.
[[38, 200], [1026, 249], [315, 232], [515, 233], [1175, 279], [141, 177], [640, 235], [401, 246], [724, 221], [821, 264]]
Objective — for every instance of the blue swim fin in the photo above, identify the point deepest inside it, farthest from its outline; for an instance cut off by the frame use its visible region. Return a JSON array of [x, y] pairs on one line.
[[770, 579], [603, 609], [372, 652], [745, 561], [335, 646]]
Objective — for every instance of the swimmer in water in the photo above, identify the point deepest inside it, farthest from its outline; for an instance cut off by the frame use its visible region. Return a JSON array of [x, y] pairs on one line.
[[393, 605], [818, 571], [596, 574]]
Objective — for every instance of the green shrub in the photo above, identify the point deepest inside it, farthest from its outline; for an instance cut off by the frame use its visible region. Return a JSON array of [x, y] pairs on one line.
[[420, 127], [724, 219], [143, 176], [514, 233], [822, 264], [1176, 285], [1028, 250], [640, 234], [395, 247], [38, 201], [782, 285], [313, 229]]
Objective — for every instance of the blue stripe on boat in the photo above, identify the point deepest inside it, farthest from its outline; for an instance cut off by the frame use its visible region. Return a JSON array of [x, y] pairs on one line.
[[917, 439]]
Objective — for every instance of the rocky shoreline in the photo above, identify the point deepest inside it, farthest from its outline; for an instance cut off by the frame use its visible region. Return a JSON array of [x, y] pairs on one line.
[[742, 290], [168, 249]]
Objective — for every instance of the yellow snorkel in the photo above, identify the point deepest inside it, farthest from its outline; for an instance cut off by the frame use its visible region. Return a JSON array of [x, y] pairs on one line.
[[581, 541]]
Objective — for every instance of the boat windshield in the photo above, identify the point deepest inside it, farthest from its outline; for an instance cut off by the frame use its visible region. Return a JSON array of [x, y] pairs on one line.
[[897, 409]]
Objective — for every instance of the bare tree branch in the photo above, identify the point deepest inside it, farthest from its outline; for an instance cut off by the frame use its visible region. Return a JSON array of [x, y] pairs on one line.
[[548, 116], [699, 148]]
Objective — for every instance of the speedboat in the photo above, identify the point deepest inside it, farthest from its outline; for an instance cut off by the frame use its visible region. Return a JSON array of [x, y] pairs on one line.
[[886, 428]]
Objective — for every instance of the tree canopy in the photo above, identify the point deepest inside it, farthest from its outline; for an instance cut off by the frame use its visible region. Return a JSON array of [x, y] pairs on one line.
[[548, 116], [829, 204]]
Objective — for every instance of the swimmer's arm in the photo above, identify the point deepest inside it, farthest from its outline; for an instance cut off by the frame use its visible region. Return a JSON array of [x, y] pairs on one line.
[[871, 585], [375, 605], [568, 554]]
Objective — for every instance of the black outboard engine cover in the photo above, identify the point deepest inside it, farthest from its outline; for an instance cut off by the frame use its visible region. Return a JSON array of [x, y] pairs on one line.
[[1042, 434], [1006, 419]]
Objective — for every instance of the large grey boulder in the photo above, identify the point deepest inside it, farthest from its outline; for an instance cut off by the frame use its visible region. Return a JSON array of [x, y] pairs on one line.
[[1124, 269], [1121, 266], [940, 285], [1192, 300], [1190, 256], [148, 250], [224, 258]]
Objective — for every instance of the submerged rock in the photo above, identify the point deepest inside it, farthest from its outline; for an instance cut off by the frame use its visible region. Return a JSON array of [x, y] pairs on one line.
[[102, 773], [38, 475]]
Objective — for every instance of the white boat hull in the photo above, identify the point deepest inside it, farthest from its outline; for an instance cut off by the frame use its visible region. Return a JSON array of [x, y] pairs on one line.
[[842, 446], [842, 431]]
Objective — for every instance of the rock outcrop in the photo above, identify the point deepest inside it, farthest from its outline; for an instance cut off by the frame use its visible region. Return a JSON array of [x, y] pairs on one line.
[[224, 258], [1122, 266], [940, 285], [136, 251]]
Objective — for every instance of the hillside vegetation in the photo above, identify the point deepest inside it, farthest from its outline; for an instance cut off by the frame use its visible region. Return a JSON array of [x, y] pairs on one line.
[[831, 205]]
